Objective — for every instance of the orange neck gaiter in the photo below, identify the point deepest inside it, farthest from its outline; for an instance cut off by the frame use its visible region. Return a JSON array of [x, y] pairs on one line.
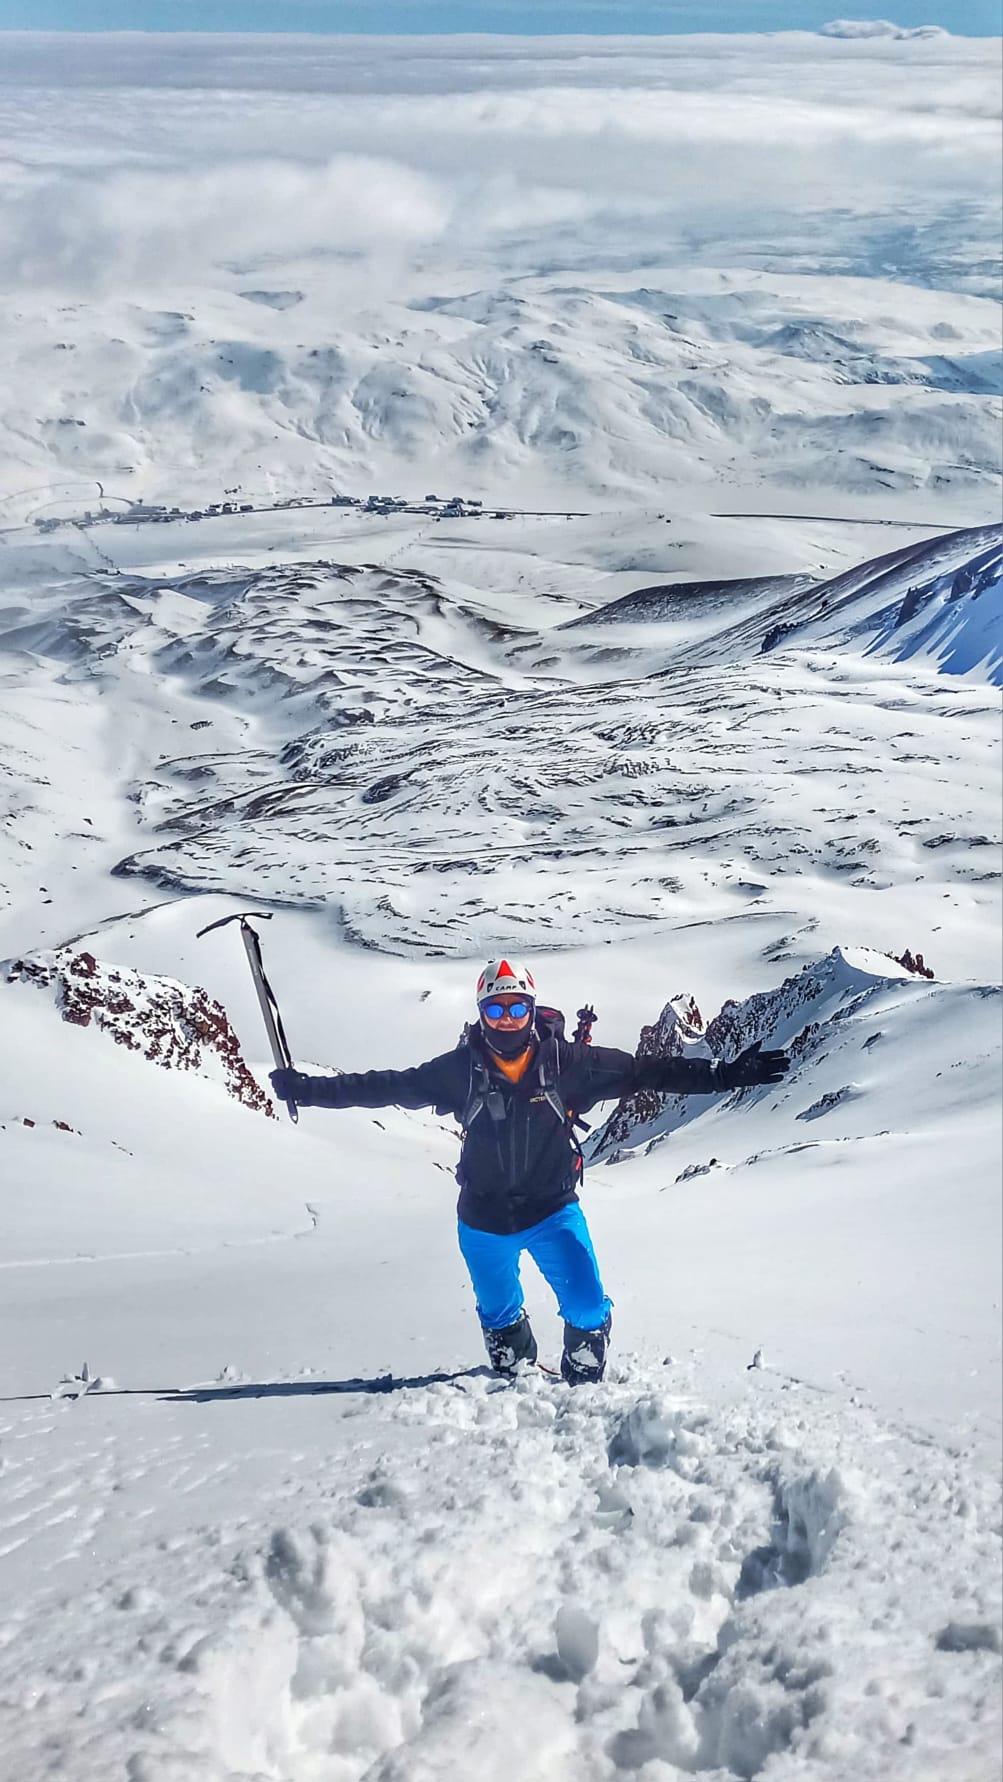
[[513, 1068]]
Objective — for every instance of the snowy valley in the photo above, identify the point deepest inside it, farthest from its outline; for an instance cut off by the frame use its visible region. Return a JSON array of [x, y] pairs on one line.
[[693, 699]]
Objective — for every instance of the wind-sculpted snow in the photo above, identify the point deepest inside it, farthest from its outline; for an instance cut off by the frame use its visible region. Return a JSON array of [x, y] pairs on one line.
[[445, 780]]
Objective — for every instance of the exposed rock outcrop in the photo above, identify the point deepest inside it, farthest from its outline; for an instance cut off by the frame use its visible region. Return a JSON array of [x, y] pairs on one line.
[[916, 964], [175, 1025], [793, 1015]]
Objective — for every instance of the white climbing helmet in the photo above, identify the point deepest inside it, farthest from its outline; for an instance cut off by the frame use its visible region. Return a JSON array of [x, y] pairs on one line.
[[505, 977]]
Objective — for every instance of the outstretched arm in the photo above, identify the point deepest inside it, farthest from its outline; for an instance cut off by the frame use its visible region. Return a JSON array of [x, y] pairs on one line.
[[706, 1076], [608, 1074], [427, 1085]]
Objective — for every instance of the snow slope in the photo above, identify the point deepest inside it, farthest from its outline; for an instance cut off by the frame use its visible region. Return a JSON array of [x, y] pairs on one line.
[[703, 1567], [679, 1595], [937, 598], [245, 1428], [699, 708]]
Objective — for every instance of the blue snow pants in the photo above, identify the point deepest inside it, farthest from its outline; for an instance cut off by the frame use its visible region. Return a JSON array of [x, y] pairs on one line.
[[562, 1249]]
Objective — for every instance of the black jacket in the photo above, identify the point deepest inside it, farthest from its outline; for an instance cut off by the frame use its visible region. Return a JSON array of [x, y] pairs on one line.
[[518, 1170]]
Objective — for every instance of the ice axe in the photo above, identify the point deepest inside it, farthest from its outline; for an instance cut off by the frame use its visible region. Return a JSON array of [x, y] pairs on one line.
[[269, 1007]]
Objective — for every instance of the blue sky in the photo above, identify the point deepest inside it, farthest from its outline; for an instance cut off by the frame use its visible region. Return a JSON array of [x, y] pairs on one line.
[[981, 18]]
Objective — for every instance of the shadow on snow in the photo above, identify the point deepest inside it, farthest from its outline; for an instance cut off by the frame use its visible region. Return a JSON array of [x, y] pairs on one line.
[[203, 1395]]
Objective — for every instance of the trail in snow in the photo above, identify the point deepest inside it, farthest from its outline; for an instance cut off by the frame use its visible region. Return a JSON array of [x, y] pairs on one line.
[[486, 1579]]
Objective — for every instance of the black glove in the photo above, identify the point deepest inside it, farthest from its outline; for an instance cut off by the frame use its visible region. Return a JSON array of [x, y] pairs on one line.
[[290, 1085], [751, 1066]]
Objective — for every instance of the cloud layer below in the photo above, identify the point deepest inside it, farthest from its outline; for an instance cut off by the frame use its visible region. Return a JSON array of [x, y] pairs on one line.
[[146, 160]]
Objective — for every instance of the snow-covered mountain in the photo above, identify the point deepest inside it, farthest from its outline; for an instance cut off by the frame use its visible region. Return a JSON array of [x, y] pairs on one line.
[[685, 683], [384, 744], [939, 598], [701, 273], [816, 1011], [674, 820], [688, 382]]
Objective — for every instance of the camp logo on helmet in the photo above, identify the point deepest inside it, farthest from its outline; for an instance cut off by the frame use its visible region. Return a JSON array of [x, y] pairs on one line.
[[505, 977]]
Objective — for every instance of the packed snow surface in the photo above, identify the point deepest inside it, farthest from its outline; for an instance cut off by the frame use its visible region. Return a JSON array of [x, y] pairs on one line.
[[685, 684]]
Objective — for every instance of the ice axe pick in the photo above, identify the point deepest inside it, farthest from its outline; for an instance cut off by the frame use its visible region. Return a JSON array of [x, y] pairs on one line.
[[266, 997]]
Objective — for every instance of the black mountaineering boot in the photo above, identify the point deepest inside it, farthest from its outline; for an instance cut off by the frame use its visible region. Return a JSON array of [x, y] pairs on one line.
[[506, 1348], [584, 1360]]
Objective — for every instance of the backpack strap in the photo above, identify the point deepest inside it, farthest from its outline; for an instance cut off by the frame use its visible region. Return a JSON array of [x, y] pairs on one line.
[[481, 1094], [547, 1070]]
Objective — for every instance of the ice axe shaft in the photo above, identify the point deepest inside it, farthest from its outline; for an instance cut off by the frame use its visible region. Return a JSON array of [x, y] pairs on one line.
[[266, 998]]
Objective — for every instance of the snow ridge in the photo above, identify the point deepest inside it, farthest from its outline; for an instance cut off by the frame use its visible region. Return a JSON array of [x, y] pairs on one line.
[[828, 990], [939, 600]]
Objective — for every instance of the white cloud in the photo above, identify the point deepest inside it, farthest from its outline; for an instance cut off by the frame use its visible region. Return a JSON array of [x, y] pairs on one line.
[[213, 151], [871, 28], [83, 229]]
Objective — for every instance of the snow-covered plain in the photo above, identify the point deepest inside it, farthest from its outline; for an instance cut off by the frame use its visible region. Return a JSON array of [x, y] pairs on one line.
[[721, 730]]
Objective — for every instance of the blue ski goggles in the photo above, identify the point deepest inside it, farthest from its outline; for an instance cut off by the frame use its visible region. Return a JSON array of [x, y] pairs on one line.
[[496, 1011]]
